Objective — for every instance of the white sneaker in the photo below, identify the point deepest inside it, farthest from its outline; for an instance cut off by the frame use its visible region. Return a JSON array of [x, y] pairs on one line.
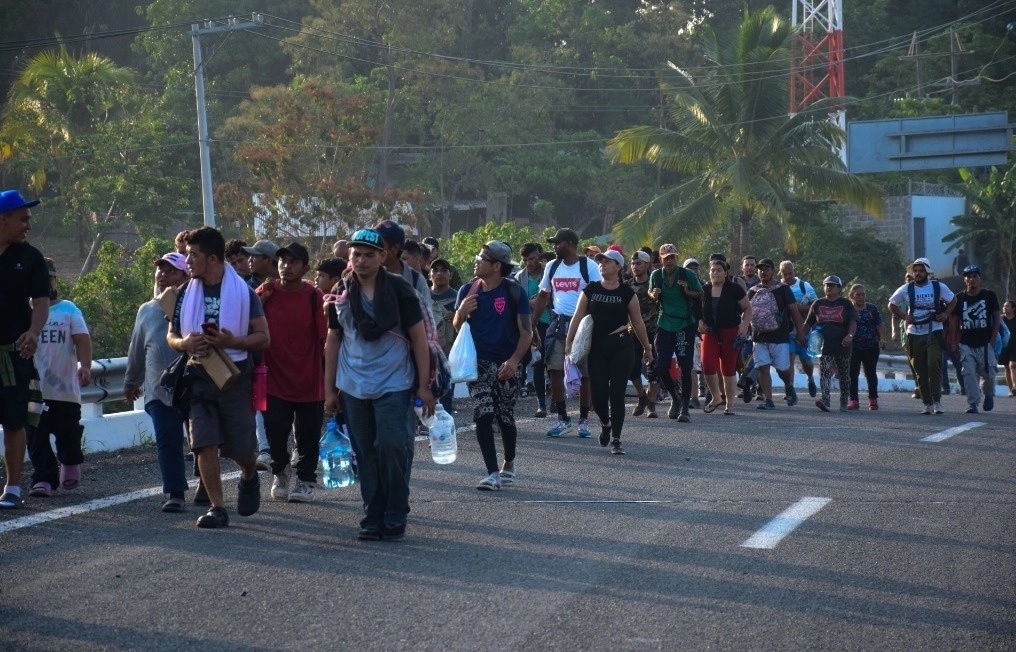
[[938, 408], [264, 461], [280, 485], [303, 492], [927, 409], [491, 483]]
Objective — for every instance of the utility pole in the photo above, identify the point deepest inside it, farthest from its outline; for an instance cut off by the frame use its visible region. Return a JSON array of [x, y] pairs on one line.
[[955, 50], [197, 29]]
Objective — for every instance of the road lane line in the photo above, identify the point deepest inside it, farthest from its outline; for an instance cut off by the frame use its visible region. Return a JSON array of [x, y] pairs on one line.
[[773, 532], [946, 434], [90, 506]]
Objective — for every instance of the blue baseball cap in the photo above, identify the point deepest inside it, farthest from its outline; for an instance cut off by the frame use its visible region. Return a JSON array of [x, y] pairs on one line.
[[11, 200], [391, 232], [971, 269], [369, 238]]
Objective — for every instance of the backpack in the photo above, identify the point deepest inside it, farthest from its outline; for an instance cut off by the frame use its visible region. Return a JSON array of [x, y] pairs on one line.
[[766, 315], [515, 292], [440, 371], [583, 268], [935, 301]]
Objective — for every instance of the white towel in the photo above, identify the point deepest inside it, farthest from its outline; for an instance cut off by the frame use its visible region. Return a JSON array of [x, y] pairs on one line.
[[234, 308]]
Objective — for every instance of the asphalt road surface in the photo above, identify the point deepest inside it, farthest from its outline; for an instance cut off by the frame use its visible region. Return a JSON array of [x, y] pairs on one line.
[[784, 530]]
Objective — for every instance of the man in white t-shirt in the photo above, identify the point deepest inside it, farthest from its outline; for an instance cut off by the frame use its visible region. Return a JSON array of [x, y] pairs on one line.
[[64, 361], [563, 280], [930, 303]]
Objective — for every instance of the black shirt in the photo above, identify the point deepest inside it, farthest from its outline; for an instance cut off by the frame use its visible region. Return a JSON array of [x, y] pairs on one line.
[[23, 276], [609, 308], [977, 316]]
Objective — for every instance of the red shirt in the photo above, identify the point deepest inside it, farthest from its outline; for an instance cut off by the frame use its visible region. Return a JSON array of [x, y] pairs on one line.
[[295, 358]]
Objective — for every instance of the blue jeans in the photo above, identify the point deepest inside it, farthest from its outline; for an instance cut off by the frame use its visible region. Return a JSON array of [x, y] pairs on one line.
[[382, 433], [168, 446]]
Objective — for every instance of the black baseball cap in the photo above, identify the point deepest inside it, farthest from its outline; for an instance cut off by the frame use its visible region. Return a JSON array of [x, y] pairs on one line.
[[294, 250], [564, 235], [766, 262]]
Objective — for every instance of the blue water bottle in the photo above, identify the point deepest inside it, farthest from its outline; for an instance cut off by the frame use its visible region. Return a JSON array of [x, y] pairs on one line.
[[815, 341], [336, 458]]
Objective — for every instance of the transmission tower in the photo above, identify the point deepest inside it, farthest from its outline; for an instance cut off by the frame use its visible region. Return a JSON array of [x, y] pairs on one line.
[[816, 71]]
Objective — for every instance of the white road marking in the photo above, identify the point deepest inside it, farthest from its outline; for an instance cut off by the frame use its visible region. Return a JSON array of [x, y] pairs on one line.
[[773, 532], [946, 434], [90, 506]]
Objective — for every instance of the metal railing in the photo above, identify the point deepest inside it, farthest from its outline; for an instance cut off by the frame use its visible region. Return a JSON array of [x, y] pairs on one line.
[[107, 381]]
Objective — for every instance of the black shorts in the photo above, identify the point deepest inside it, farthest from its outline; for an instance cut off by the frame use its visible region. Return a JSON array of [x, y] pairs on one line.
[[14, 400], [224, 419]]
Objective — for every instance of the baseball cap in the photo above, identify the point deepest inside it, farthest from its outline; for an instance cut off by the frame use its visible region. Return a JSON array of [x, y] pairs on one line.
[[615, 256], [262, 248], [564, 235], [11, 200], [642, 256], [295, 250], [616, 247], [668, 250], [391, 232], [500, 252], [177, 260], [766, 262], [440, 263], [833, 280], [331, 266], [591, 249], [51, 266], [431, 241], [369, 238], [971, 269], [922, 261], [690, 261]]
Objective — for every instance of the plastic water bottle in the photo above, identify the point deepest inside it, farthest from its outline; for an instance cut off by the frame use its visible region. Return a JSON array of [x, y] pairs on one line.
[[443, 445], [336, 458], [259, 388], [418, 408], [815, 341]]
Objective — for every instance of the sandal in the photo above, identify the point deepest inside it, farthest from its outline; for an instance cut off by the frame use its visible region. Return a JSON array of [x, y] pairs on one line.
[[709, 409], [70, 476], [727, 412]]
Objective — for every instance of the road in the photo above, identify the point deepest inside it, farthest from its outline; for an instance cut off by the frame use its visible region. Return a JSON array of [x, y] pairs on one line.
[[784, 530]]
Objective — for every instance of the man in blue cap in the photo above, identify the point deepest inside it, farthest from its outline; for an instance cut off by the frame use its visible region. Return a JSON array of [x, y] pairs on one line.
[[24, 308]]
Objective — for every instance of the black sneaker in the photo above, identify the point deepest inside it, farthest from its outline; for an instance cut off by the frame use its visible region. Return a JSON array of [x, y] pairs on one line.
[[812, 388], [766, 405], [215, 517], [201, 498], [694, 403], [393, 532], [604, 435], [640, 407], [370, 533], [746, 394], [791, 397], [675, 409], [822, 404], [248, 496], [615, 447], [684, 417]]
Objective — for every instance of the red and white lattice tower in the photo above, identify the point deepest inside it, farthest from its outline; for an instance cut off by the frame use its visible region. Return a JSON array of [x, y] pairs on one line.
[[817, 57]]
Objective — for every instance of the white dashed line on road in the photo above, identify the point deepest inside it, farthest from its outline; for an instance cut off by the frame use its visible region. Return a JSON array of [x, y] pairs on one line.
[[946, 434], [773, 532]]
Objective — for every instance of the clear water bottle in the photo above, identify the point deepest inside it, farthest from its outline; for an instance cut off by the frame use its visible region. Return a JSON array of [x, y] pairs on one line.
[[336, 458], [443, 446], [815, 341], [418, 408]]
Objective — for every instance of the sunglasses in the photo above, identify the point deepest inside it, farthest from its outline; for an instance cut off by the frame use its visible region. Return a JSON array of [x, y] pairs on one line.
[[483, 259]]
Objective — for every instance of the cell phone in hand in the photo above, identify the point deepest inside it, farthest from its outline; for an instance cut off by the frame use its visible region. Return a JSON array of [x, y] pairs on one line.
[[210, 328]]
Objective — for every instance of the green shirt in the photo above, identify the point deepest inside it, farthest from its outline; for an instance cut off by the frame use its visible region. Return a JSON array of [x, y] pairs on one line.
[[675, 307]]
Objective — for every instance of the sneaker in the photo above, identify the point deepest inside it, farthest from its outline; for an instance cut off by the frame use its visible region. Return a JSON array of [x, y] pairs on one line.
[[201, 498], [584, 429], [927, 409], [41, 490], [916, 394], [11, 501], [972, 409], [791, 397], [937, 408], [684, 417], [560, 428], [1012, 392], [651, 411], [370, 534], [694, 403], [70, 476], [822, 404], [746, 394], [303, 492], [766, 405], [872, 404], [605, 435], [989, 403], [675, 409], [264, 461], [280, 485], [215, 517], [248, 496], [393, 532], [615, 447], [422, 433], [640, 407], [491, 483], [173, 506], [812, 387], [853, 405], [507, 473], [541, 413], [843, 404]]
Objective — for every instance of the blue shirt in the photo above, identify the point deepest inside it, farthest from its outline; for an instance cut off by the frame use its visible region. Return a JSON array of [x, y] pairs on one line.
[[494, 324]]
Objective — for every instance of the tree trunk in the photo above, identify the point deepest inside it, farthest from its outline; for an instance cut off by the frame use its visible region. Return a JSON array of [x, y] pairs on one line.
[[744, 236], [93, 252]]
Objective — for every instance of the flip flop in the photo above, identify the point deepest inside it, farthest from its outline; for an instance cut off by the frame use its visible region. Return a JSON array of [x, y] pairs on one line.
[[727, 412], [70, 476], [709, 409]]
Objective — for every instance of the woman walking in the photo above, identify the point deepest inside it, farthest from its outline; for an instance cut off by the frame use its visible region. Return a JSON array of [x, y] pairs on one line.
[[1008, 357], [726, 314], [869, 341], [612, 305], [839, 322]]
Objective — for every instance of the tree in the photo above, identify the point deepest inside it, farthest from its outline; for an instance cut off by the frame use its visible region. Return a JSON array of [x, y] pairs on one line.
[[734, 144], [990, 224]]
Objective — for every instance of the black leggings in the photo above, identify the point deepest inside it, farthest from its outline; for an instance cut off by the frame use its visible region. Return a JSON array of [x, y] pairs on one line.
[[869, 358], [610, 362]]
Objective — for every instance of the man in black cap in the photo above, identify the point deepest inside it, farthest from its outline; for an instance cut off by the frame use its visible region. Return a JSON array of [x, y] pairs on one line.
[[394, 237], [980, 318], [771, 304], [562, 284], [23, 277]]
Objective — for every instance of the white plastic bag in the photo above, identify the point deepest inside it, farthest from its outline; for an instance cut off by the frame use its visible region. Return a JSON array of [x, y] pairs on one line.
[[583, 340], [462, 357]]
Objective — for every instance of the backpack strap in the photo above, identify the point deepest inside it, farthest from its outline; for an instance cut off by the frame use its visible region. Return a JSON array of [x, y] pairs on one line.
[[584, 269]]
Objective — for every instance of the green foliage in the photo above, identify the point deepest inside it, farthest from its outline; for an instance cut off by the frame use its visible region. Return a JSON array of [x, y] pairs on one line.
[[109, 295], [464, 245], [990, 226]]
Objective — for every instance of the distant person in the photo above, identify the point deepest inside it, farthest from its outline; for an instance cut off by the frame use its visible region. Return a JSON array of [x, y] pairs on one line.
[[24, 308], [147, 357], [413, 255], [1008, 357], [328, 272], [263, 259], [838, 319], [979, 320], [749, 273], [869, 342], [444, 298], [64, 361], [529, 277], [805, 295], [180, 242], [960, 262], [237, 257], [217, 308], [772, 308], [725, 316], [341, 249], [638, 281]]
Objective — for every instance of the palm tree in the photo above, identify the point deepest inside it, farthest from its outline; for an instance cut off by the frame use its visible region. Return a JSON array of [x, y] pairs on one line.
[[733, 143], [990, 223]]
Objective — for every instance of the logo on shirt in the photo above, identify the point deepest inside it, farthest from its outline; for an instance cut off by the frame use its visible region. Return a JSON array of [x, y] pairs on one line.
[[566, 284], [499, 305], [832, 314]]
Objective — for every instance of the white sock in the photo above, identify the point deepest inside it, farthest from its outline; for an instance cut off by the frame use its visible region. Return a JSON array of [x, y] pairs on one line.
[[12, 489]]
